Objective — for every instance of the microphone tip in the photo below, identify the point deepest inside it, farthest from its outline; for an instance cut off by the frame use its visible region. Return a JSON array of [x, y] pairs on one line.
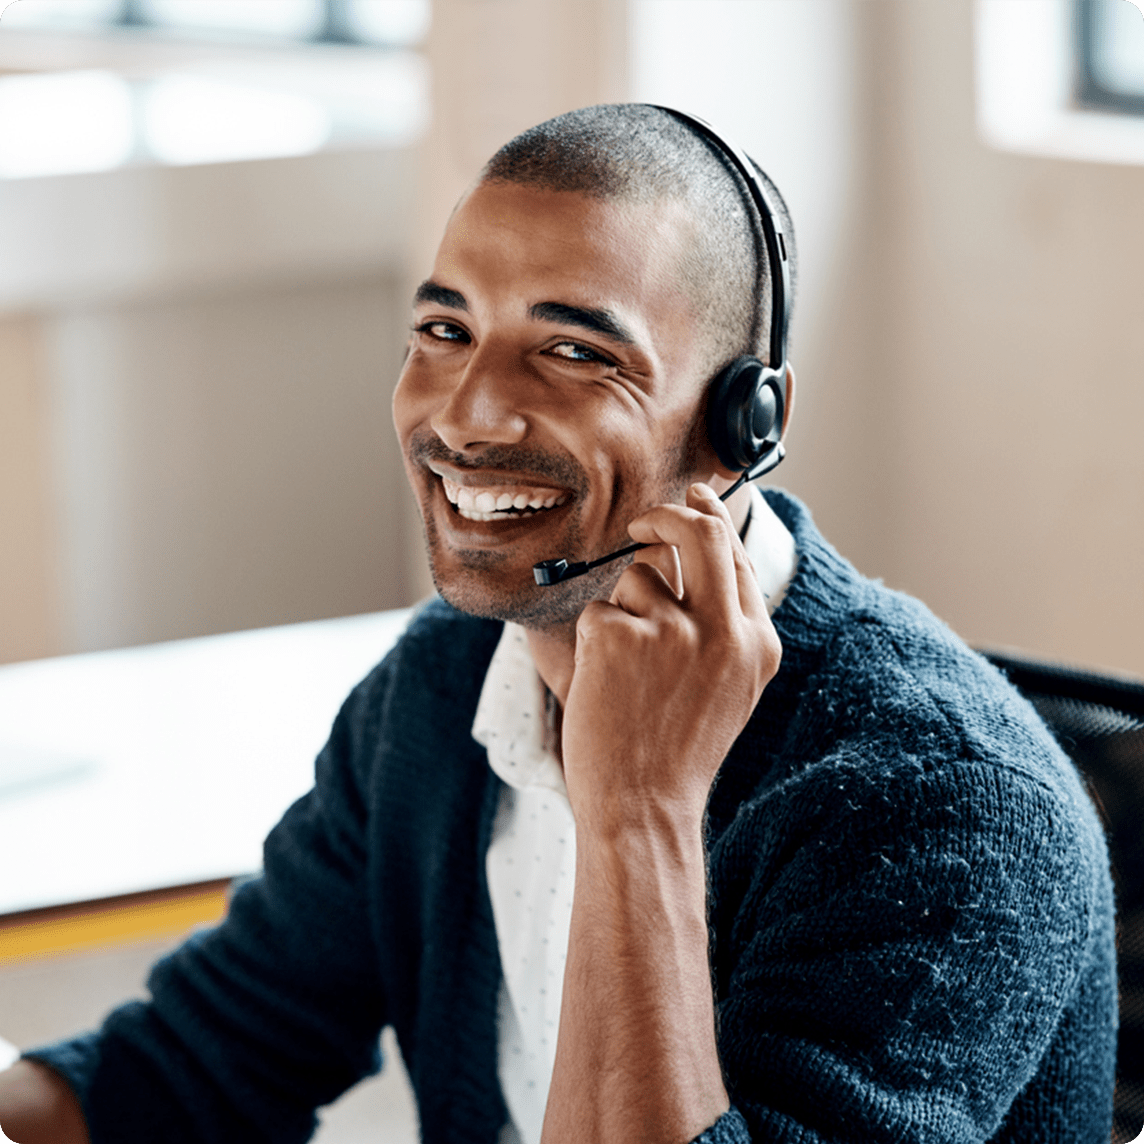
[[549, 572]]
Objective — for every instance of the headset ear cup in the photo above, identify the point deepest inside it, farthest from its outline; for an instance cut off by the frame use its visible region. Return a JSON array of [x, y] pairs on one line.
[[744, 412]]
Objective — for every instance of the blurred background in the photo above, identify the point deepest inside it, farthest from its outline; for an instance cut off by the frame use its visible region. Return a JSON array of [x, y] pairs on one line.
[[212, 212], [212, 217]]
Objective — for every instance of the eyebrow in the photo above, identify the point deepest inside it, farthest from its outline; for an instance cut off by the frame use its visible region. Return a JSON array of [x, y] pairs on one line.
[[430, 291], [599, 321], [587, 318]]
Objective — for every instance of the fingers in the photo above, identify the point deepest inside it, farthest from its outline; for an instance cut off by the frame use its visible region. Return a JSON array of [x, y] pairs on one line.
[[714, 566], [665, 559], [643, 587]]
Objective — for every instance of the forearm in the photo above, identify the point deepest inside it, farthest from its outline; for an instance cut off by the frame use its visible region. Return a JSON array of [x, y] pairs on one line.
[[37, 1107], [636, 1055]]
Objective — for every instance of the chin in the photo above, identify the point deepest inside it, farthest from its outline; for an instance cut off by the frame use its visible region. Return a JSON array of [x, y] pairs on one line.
[[484, 592]]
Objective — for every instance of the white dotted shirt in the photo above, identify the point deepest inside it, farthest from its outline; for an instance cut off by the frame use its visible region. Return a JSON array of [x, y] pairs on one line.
[[531, 861]]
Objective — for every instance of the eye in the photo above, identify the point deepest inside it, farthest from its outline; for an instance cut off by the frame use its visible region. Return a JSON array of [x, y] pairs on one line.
[[440, 331], [574, 351]]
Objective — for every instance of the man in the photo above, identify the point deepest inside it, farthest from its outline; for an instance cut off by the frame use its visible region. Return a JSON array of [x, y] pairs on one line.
[[602, 890]]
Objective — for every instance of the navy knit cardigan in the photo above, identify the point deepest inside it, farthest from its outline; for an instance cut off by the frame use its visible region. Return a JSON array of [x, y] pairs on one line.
[[910, 906]]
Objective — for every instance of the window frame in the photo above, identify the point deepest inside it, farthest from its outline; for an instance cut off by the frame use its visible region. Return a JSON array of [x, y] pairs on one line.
[[335, 27], [1090, 92]]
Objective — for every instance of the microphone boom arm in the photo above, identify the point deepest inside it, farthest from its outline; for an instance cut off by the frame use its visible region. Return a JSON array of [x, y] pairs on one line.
[[549, 572]]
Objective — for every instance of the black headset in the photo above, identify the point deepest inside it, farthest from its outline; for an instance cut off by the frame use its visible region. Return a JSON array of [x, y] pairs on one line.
[[746, 399]]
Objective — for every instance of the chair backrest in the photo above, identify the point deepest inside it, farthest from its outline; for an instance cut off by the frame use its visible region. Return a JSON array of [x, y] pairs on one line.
[[1099, 721]]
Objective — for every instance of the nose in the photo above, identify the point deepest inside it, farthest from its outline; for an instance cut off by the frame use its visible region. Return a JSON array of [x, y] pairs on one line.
[[483, 405]]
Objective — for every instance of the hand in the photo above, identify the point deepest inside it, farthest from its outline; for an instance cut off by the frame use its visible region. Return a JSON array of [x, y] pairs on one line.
[[666, 674], [37, 1106]]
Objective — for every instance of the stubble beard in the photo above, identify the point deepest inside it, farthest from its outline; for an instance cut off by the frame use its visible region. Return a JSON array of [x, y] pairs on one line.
[[538, 608], [558, 606]]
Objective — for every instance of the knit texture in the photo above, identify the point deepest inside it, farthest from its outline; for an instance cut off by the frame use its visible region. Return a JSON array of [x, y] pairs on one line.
[[910, 905]]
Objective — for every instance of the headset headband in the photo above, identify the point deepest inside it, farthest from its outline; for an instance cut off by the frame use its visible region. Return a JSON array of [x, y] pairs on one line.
[[771, 227]]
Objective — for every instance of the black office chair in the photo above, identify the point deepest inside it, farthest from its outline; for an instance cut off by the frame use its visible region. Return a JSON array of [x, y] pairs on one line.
[[1099, 721]]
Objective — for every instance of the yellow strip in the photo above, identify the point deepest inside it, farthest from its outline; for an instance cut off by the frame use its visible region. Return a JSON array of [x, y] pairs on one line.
[[99, 927]]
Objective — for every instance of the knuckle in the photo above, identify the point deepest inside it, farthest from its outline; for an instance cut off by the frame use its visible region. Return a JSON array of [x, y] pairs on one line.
[[642, 570], [678, 626], [712, 528], [590, 618], [771, 656]]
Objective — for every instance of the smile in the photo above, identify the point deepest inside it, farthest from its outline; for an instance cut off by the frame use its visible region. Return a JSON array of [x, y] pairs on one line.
[[500, 502]]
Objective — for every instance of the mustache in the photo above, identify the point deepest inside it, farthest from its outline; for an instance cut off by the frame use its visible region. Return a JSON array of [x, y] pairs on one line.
[[548, 468]]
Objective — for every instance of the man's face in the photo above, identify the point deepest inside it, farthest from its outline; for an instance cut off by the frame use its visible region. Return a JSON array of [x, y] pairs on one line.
[[551, 393]]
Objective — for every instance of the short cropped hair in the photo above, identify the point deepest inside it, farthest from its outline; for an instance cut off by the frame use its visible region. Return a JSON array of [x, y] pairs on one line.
[[638, 153]]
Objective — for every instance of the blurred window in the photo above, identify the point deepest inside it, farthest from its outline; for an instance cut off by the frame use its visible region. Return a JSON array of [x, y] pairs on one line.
[[376, 23], [289, 19], [63, 123], [199, 119], [229, 100], [1110, 37], [65, 15]]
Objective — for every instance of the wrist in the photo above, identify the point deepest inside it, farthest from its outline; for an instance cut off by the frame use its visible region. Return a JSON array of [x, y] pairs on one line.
[[623, 820], [651, 866]]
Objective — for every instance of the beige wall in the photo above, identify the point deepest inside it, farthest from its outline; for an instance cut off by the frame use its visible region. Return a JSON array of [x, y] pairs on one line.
[[499, 66], [29, 604], [195, 374], [225, 459], [198, 463], [988, 365]]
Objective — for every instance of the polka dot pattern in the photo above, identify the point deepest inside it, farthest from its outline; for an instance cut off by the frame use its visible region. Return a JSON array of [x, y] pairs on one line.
[[531, 867]]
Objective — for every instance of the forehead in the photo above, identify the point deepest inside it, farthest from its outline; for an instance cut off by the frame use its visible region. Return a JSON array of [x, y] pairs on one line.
[[522, 245]]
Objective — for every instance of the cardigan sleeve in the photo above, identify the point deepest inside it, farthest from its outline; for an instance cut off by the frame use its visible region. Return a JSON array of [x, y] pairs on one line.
[[912, 947], [730, 1128], [254, 1024]]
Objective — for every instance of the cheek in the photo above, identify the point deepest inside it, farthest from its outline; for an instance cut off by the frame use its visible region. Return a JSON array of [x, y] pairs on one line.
[[411, 404], [632, 446], [681, 442]]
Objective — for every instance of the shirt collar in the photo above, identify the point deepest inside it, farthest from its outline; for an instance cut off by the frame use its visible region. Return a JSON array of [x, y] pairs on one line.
[[514, 720], [770, 548]]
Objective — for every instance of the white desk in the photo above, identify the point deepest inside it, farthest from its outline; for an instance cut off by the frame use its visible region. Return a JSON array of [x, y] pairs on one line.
[[162, 766], [171, 763]]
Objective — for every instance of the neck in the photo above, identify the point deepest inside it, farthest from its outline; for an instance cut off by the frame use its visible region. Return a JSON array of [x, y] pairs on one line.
[[739, 505], [554, 653]]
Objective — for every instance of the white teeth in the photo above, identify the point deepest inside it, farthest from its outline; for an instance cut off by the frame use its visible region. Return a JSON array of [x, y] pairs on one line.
[[500, 514], [486, 504]]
